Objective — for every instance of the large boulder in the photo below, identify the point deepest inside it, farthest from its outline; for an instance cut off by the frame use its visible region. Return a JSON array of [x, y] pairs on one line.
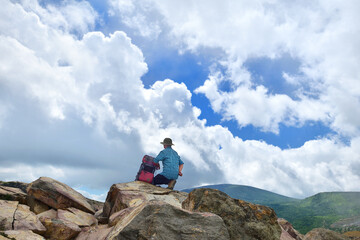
[[132, 194], [15, 216], [35, 205], [15, 184], [7, 213], [288, 232], [24, 219], [242, 219], [60, 230], [80, 218], [12, 194], [58, 195], [159, 220], [324, 234]]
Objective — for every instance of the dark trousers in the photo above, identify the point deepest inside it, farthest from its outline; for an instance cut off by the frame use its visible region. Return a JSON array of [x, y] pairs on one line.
[[160, 179]]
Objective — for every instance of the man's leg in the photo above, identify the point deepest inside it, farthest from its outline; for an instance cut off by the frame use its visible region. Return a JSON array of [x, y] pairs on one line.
[[160, 179]]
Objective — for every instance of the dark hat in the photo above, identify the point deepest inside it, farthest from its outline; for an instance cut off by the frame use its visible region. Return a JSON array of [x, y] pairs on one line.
[[167, 141]]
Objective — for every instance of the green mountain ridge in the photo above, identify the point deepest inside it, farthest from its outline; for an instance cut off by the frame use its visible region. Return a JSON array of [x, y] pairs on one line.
[[327, 210]]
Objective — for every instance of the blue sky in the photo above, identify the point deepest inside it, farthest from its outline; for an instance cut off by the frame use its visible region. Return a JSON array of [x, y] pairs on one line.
[[260, 93]]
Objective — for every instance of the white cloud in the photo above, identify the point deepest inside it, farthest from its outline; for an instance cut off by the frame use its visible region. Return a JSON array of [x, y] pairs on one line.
[[322, 35], [68, 16], [143, 18], [76, 109]]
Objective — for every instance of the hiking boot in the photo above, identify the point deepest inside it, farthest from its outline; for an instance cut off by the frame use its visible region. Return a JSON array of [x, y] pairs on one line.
[[171, 184]]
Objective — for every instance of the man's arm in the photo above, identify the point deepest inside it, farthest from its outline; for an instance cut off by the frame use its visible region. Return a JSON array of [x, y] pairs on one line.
[[180, 169]]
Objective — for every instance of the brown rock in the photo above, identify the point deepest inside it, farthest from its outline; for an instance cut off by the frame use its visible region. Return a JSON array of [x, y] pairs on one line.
[[23, 235], [49, 214], [60, 230], [36, 206], [99, 232], [14, 184], [288, 232], [133, 194], [27, 220], [160, 220], [120, 215], [95, 204], [7, 213], [2, 237], [324, 234], [80, 218], [12, 194], [58, 195], [242, 219]]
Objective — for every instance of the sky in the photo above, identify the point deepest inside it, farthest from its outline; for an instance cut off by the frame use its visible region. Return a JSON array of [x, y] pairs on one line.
[[264, 93]]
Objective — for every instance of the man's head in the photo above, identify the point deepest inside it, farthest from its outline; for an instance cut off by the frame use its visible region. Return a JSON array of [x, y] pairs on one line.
[[167, 142]]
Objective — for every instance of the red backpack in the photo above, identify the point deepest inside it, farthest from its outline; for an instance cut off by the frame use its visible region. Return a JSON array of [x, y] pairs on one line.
[[147, 169]]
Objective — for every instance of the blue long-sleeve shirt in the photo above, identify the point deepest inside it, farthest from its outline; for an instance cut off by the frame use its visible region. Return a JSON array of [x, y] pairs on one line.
[[171, 162]]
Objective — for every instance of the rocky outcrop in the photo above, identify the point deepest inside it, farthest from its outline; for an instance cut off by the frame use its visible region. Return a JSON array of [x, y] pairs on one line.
[[242, 219], [58, 195], [287, 231], [324, 234], [160, 220], [53, 210], [135, 210], [132, 194]]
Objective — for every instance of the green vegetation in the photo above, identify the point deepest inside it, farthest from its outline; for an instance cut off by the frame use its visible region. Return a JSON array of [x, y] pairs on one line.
[[320, 210]]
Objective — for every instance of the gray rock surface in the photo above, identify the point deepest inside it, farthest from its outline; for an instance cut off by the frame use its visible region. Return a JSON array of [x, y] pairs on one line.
[[160, 220]]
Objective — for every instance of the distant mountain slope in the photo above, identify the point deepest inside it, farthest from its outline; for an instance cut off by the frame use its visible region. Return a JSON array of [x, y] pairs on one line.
[[322, 210], [342, 209], [249, 194]]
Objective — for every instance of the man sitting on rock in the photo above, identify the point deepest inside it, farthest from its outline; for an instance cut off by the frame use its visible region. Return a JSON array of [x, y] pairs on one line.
[[172, 165]]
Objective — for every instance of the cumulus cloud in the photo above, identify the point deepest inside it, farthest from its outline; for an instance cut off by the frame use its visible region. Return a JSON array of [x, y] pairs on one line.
[[321, 34], [73, 106]]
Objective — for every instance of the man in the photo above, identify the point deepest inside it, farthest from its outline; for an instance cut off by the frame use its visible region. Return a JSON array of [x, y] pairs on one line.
[[172, 165]]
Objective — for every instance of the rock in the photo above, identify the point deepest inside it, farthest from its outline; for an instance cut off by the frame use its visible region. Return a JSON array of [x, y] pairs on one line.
[[2, 237], [49, 214], [95, 204], [242, 219], [161, 220], [24, 219], [60, 230], [133, 194], [12, 194], [36, 206], [80, 218], [58, 195], [288, 232], [120, 215], [324, 234], [23, 235], [7, 213], [14, 184], [94, 233]]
